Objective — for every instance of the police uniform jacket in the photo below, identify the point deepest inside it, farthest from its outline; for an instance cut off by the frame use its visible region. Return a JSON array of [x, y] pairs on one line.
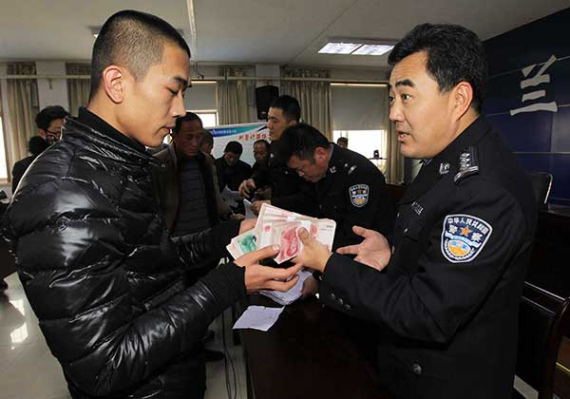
[[353, 192], [286, 185], [447, 303], [102, 275]]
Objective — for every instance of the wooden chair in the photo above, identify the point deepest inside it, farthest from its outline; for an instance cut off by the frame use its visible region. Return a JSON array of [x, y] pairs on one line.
[[544, 319]]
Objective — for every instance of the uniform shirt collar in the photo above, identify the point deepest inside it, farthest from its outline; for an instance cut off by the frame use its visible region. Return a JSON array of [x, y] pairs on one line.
[[470, 136]]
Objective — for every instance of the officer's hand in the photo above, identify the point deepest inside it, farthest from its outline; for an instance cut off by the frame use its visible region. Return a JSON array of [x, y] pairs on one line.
[[258, 277], [314, 255], [246, 187], [310, 287], [256, 205], [374, 251], [246, 225], [237, 216]]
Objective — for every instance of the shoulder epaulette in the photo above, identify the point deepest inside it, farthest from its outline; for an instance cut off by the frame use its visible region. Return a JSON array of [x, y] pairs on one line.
[[468, 164]]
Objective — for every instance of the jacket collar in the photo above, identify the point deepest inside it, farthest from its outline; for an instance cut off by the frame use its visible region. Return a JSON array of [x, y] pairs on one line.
[[446, 162], [104, 144], [89, 118]]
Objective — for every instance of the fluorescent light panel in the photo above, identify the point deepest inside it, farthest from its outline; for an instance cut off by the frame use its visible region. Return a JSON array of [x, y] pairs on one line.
[[372, 49], [354, 47], [339, 48]]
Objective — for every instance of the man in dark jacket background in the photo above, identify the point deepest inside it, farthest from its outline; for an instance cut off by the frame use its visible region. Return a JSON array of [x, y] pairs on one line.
[[96, 260], [50, 122], [36, 145], [189, 196], [284, 182], [231, 169]]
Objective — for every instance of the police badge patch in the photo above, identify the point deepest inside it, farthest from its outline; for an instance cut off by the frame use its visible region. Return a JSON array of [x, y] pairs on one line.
[[359, 194], [463, 237]]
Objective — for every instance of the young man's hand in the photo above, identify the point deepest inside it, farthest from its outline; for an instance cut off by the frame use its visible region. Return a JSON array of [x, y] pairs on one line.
[[258, 277]]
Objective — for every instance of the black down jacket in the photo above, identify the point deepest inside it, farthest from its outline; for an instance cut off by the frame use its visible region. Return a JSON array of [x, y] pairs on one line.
[[103, 276]]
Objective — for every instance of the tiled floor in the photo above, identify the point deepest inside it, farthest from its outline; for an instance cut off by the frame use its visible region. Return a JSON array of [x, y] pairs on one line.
[[29, 371]]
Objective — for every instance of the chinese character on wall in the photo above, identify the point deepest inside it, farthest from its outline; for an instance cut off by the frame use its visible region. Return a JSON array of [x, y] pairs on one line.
[[539, 79]]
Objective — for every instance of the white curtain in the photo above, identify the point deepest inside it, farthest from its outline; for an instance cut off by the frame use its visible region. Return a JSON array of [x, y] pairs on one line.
[[235, 103], [22, 107], [313, 96], [78, 89], [394, 159]]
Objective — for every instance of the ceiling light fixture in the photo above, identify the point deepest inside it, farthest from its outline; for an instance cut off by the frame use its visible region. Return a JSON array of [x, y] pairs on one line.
[[357, 47]]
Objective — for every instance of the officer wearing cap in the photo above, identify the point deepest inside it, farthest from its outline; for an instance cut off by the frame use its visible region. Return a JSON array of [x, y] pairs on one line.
[[447, 297]]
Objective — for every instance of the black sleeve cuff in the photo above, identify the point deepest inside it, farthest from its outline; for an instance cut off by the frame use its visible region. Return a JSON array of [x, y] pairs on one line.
[[223, 233], [227, 284]]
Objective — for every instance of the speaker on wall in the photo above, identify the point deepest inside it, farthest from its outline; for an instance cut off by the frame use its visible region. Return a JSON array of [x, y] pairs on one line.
[[263, 97]]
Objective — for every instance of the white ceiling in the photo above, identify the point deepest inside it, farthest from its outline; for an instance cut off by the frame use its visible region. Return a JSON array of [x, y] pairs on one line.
[[255, 31]]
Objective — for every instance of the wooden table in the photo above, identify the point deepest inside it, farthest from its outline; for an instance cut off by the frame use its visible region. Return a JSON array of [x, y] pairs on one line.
[[306, 354]]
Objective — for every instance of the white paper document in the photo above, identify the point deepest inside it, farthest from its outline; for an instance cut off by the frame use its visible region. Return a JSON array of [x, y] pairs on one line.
[[248, 211], [231, 197], [258, 318], [285, 298]]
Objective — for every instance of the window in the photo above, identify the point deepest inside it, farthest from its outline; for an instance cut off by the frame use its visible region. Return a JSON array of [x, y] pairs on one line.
[[368, 143], [201, 99], [3, 162], [360, 113], [209, 117]]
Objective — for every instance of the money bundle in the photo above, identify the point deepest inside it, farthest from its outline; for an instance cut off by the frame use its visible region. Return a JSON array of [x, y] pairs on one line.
[[278, 226]]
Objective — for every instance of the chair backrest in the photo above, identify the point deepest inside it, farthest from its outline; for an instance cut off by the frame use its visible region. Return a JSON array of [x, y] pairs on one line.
[[544, 318], [541, 185]]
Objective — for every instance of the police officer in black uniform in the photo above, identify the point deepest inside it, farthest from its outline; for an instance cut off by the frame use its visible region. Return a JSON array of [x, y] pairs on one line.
[[284, 111], [347, 187], [447, 296]]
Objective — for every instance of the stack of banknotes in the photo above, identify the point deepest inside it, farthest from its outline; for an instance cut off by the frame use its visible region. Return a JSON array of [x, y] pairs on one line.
[[278, 226]]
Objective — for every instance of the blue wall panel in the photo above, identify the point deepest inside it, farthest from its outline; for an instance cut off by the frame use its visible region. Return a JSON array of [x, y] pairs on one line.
[[543, 130]]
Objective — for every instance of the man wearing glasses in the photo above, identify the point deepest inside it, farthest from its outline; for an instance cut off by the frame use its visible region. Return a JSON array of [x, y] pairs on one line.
[[49, 122]]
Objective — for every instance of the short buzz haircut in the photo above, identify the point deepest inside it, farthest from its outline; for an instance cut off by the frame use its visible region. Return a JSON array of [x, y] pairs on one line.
[[264, 142], [301, 140], [234, 147], [48, 114], [289, 106], [454, 55], [189, 117], [134, 40]]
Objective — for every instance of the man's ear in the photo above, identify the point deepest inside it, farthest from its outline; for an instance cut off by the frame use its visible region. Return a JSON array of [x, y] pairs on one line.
[[114, 81], [463, 96], [320, 154]]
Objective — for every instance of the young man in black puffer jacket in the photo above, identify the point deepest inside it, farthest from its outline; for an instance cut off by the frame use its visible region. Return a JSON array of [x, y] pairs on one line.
[[95, 259]]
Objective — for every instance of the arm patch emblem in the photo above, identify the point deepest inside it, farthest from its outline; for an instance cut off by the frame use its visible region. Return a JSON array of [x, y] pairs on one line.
[[463, 237], [359, 194]]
